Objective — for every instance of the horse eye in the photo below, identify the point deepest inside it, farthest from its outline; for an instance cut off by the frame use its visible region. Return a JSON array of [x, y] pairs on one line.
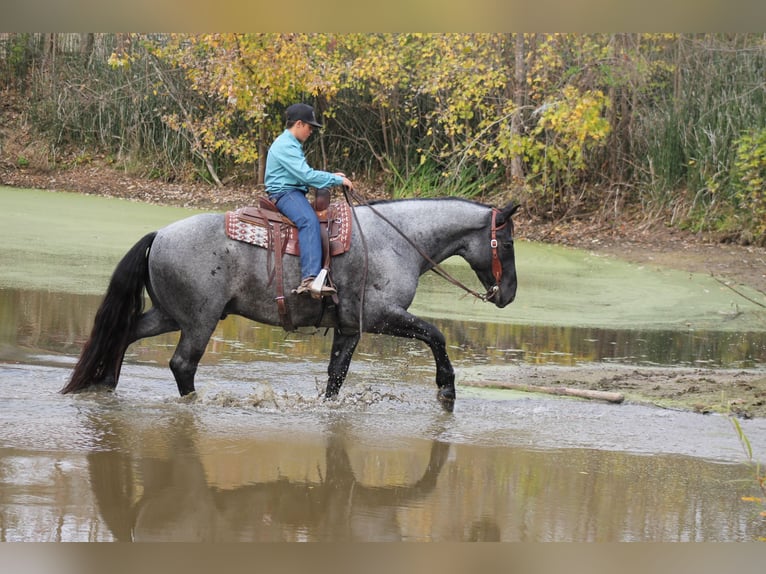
[[508, 244]]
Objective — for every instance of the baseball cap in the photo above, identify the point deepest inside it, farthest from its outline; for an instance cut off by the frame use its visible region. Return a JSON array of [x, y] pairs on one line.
[[302, 112]]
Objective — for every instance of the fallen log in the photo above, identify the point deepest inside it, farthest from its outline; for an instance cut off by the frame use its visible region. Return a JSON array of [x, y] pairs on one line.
[[609, 396]]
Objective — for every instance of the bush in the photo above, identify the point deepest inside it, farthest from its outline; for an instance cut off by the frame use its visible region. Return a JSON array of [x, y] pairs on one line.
[[750, 181]]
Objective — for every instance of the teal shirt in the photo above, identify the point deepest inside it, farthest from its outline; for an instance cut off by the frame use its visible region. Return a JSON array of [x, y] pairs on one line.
[[286, 168]]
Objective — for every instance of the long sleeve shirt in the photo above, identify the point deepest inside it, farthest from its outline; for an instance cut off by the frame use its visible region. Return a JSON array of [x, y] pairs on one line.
[[286, 168]]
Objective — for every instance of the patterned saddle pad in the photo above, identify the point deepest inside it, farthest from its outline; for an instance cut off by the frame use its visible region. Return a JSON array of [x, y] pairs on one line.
[[256, 225]]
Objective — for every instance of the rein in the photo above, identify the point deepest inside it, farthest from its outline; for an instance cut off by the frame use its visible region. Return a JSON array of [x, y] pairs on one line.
[[497, 268]]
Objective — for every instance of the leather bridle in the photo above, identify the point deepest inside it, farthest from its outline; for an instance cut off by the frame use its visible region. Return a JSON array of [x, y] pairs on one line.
[[497, 265]]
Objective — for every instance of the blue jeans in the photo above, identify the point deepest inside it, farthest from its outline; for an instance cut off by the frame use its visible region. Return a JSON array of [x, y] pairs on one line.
[[294, 205]]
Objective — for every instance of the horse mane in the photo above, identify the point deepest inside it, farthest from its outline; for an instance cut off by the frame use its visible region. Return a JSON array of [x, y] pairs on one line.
[[435, 199]]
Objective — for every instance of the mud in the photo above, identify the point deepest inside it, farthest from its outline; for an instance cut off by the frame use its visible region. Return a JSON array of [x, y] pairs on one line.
[[724, 391]]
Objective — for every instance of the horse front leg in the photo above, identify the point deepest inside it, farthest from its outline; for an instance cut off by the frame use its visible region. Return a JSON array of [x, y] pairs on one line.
[[403, 324], [343, 347]]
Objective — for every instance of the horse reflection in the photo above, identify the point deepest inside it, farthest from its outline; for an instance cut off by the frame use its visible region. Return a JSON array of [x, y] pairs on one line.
[[169, 498]]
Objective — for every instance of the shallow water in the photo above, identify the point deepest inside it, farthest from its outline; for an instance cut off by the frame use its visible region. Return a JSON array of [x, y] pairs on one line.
[[256, 455], [256, 461]]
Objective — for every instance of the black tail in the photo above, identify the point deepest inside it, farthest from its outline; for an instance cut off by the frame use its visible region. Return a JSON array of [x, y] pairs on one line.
[[101, 358]]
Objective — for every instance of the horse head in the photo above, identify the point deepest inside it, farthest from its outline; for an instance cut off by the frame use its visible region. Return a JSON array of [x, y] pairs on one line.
[[502, 286]]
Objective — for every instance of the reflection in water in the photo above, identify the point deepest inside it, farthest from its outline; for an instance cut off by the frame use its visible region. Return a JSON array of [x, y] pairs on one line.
[[168, 474], [145, 495], [60, 323], [496, 343]]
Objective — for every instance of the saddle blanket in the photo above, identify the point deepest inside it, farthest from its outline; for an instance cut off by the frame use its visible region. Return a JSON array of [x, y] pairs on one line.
[[254, 225]]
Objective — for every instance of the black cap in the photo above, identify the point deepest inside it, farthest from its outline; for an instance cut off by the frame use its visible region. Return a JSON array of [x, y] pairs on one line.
[[302, 112]]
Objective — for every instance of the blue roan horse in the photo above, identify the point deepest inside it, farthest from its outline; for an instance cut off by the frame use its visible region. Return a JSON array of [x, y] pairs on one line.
[[195, 275]]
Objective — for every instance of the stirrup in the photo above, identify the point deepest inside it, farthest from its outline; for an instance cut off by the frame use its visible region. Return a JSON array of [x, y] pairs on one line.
[[320, 287]]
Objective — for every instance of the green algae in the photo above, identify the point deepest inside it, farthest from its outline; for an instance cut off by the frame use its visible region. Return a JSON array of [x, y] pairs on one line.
[[572, 287], [69, 242]]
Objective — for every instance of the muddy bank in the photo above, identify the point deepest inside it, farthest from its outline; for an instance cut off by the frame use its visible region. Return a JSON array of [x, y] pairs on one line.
[[657, 244], [739, 392]]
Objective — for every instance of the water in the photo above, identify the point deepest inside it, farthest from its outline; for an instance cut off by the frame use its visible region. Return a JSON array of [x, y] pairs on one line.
[[256, 455], [34, 321]]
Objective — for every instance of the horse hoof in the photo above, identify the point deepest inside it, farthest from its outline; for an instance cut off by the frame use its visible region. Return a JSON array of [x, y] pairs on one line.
[[446, 397], [190, 397]]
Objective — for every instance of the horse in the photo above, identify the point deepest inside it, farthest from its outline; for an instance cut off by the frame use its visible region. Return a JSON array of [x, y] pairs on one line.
[[195, 275]]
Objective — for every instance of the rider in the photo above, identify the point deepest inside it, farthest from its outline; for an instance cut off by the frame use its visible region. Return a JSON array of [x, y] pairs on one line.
[[288, 177]]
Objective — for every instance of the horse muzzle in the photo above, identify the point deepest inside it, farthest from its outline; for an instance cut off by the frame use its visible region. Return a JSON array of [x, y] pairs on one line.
[[499, 297]]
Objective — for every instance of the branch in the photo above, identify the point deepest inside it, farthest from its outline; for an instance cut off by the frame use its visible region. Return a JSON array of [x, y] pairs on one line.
[[608, 396], [722, 282], [197, 145]]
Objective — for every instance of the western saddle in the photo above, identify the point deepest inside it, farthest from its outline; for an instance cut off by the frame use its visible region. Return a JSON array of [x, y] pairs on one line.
[[264, 226]]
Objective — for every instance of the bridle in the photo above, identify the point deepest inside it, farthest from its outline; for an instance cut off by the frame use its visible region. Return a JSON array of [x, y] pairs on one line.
[[497, 265]]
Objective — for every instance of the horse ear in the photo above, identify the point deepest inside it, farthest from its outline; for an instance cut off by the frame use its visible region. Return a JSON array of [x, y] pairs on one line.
[[507, 212]]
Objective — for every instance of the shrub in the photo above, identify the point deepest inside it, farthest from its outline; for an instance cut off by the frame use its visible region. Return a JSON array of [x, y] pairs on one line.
[[750, 180]]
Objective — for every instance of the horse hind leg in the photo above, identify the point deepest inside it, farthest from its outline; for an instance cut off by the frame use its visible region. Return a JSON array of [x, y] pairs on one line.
[[188, 353], [150, 324]]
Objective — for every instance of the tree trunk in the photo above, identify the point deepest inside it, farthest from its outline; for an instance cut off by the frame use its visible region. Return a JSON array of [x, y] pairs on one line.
[[517, 168], [49, 52], [677, 71], [262, 151], [86, 48], [123, 43]]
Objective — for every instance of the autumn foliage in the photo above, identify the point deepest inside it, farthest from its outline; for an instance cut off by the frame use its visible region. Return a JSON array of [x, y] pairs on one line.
[[567, 123]]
